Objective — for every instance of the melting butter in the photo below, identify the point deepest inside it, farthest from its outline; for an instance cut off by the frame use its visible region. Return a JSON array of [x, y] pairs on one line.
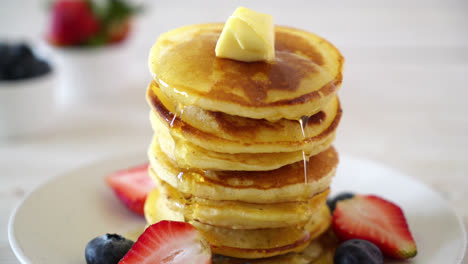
[[247, 36]]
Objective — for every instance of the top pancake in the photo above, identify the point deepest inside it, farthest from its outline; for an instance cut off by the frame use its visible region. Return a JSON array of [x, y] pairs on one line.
[[303, 78]]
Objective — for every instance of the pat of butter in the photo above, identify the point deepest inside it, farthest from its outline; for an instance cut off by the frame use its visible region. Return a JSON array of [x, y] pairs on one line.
[[247, 36]]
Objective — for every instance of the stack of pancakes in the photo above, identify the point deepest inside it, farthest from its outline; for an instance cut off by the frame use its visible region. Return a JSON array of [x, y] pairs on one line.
[[242, 151]]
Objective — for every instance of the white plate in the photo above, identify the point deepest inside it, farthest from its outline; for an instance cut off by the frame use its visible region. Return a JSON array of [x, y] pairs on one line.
[[55, 222]]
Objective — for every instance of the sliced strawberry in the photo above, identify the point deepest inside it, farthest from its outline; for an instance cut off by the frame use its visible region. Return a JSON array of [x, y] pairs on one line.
[[377, 220], [72, 23], [132, 186], [169, 242]]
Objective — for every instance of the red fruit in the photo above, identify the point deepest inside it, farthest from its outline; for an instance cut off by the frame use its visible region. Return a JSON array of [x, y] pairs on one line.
[[376, 220], [72, 23], [118, 31], [169, 242], [132, 186]]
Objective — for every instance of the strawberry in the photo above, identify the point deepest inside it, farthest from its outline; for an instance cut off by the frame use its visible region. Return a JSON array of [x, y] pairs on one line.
[[169, 242], [132, 186], [379, 221], [73, 23], [118, 31]]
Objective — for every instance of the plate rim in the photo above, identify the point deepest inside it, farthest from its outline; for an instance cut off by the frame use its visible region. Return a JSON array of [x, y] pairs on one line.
[[446, 203], [14, 245], [22, 258]]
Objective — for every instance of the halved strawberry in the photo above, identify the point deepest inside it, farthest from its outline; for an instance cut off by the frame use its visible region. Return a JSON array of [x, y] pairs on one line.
[[377, 220], [169, 242], [132, 186]]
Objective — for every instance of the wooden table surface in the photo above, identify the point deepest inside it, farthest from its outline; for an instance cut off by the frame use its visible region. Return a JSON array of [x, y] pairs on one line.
[[404, 92]]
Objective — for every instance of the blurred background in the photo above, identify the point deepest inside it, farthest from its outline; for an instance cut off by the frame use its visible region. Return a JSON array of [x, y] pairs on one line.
[[404, 90]]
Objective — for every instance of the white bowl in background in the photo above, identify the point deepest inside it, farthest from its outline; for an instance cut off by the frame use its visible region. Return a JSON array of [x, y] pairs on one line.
[[27, 105], [91, 75]]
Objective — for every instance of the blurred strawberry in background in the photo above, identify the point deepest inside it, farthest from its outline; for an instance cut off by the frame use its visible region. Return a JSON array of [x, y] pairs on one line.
[[73, 23], [118, 31], [89, 23]]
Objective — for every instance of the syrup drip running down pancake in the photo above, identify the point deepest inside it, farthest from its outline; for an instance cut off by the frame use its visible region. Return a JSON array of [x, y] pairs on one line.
[[285, 184], [238, 134], [203, 139]]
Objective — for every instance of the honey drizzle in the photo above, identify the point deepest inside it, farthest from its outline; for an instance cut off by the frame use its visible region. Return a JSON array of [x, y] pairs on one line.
[[179, 111], [303, 121]]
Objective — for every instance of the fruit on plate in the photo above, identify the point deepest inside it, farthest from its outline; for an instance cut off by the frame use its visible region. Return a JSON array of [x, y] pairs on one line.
[[107, 249], [132, 186], [331, 202], [358, 251], [374, 219], [169, 242]]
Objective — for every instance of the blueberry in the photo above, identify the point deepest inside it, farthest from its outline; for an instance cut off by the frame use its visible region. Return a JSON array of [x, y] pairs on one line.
[[17, 61], [358, 251], [5, 58], [40, 67], [19, 69], [331, 202], [4, 50], [107, 249], [21, 50]]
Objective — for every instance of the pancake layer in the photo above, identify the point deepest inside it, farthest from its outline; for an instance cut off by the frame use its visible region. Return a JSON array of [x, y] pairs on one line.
[[188, 155], [304, 77], [242, 151], [245, 243], [210, 130], [286, 184], [237, 214], [319, 251]]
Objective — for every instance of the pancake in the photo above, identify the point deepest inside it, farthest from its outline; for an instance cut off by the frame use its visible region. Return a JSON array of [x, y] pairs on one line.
[[285, 184], [319, 251], [188, 155], [249, 243], [236, 134], [239, 215], [242, 150], [303, 78]]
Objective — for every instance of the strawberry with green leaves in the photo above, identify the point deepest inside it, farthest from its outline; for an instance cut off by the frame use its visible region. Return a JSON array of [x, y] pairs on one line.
[[72, 22], [90, 23]]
